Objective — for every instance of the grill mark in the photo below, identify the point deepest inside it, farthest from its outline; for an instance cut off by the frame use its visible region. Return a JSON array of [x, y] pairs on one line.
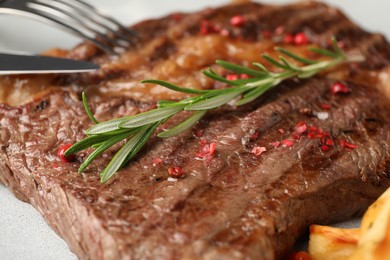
[[351, 105], [370, 46], [221, 16], [272, 17], [259, 18], [322, 22], [372, 124], [369, 42], [378, 53], [302, 19], [332, 31], [291, 100], [350, 35]]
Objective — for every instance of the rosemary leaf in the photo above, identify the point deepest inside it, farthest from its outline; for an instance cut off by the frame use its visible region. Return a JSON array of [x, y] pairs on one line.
[[271, 79], [95, 146], [137, 141], [163, 103], [142, 141], [324, 52], [104, 146], [253, 94], [85, 143], [290, 65], [240, 69], [183, 126], [107, 126], [211, 74], [262, 67], [151, 116], [275, 62], [245, 81], [294, 56], [213, 93], [174, 87], [214, 102], [87, 110], [336, 47]]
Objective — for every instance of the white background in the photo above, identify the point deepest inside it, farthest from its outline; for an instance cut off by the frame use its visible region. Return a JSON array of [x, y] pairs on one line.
[[23, 233]]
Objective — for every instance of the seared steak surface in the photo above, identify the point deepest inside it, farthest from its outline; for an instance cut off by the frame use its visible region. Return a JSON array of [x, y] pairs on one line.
[[232, 204]]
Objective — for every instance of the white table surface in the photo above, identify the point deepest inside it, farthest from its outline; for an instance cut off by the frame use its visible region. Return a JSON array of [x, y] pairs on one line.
[[24, 235]]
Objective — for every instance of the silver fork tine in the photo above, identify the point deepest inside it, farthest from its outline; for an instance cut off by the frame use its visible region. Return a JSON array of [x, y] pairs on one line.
[[71, 18], [78, 18], [90, 14], [39, 14], [108, 18]]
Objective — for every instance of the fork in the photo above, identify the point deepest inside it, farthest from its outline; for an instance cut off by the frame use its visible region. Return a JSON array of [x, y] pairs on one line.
[[78, 18]]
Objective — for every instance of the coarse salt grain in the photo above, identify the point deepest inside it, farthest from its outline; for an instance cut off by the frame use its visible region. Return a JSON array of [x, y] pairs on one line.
[[322, 115], [171, 179]]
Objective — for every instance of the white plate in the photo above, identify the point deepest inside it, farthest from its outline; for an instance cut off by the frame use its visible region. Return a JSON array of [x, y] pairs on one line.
[[23, 233]]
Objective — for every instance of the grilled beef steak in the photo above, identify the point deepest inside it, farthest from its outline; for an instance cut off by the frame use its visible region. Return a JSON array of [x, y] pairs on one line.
[[327, 153]]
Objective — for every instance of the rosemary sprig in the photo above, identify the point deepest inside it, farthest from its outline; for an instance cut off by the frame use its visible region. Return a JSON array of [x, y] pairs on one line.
[[137, 129]]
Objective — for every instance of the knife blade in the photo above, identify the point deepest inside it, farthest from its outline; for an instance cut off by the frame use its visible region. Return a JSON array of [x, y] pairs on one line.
[[12, 63]]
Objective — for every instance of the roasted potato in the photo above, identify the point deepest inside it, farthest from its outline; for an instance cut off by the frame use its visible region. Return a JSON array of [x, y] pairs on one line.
[[370, 242], [332, 243], [374, 241]]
